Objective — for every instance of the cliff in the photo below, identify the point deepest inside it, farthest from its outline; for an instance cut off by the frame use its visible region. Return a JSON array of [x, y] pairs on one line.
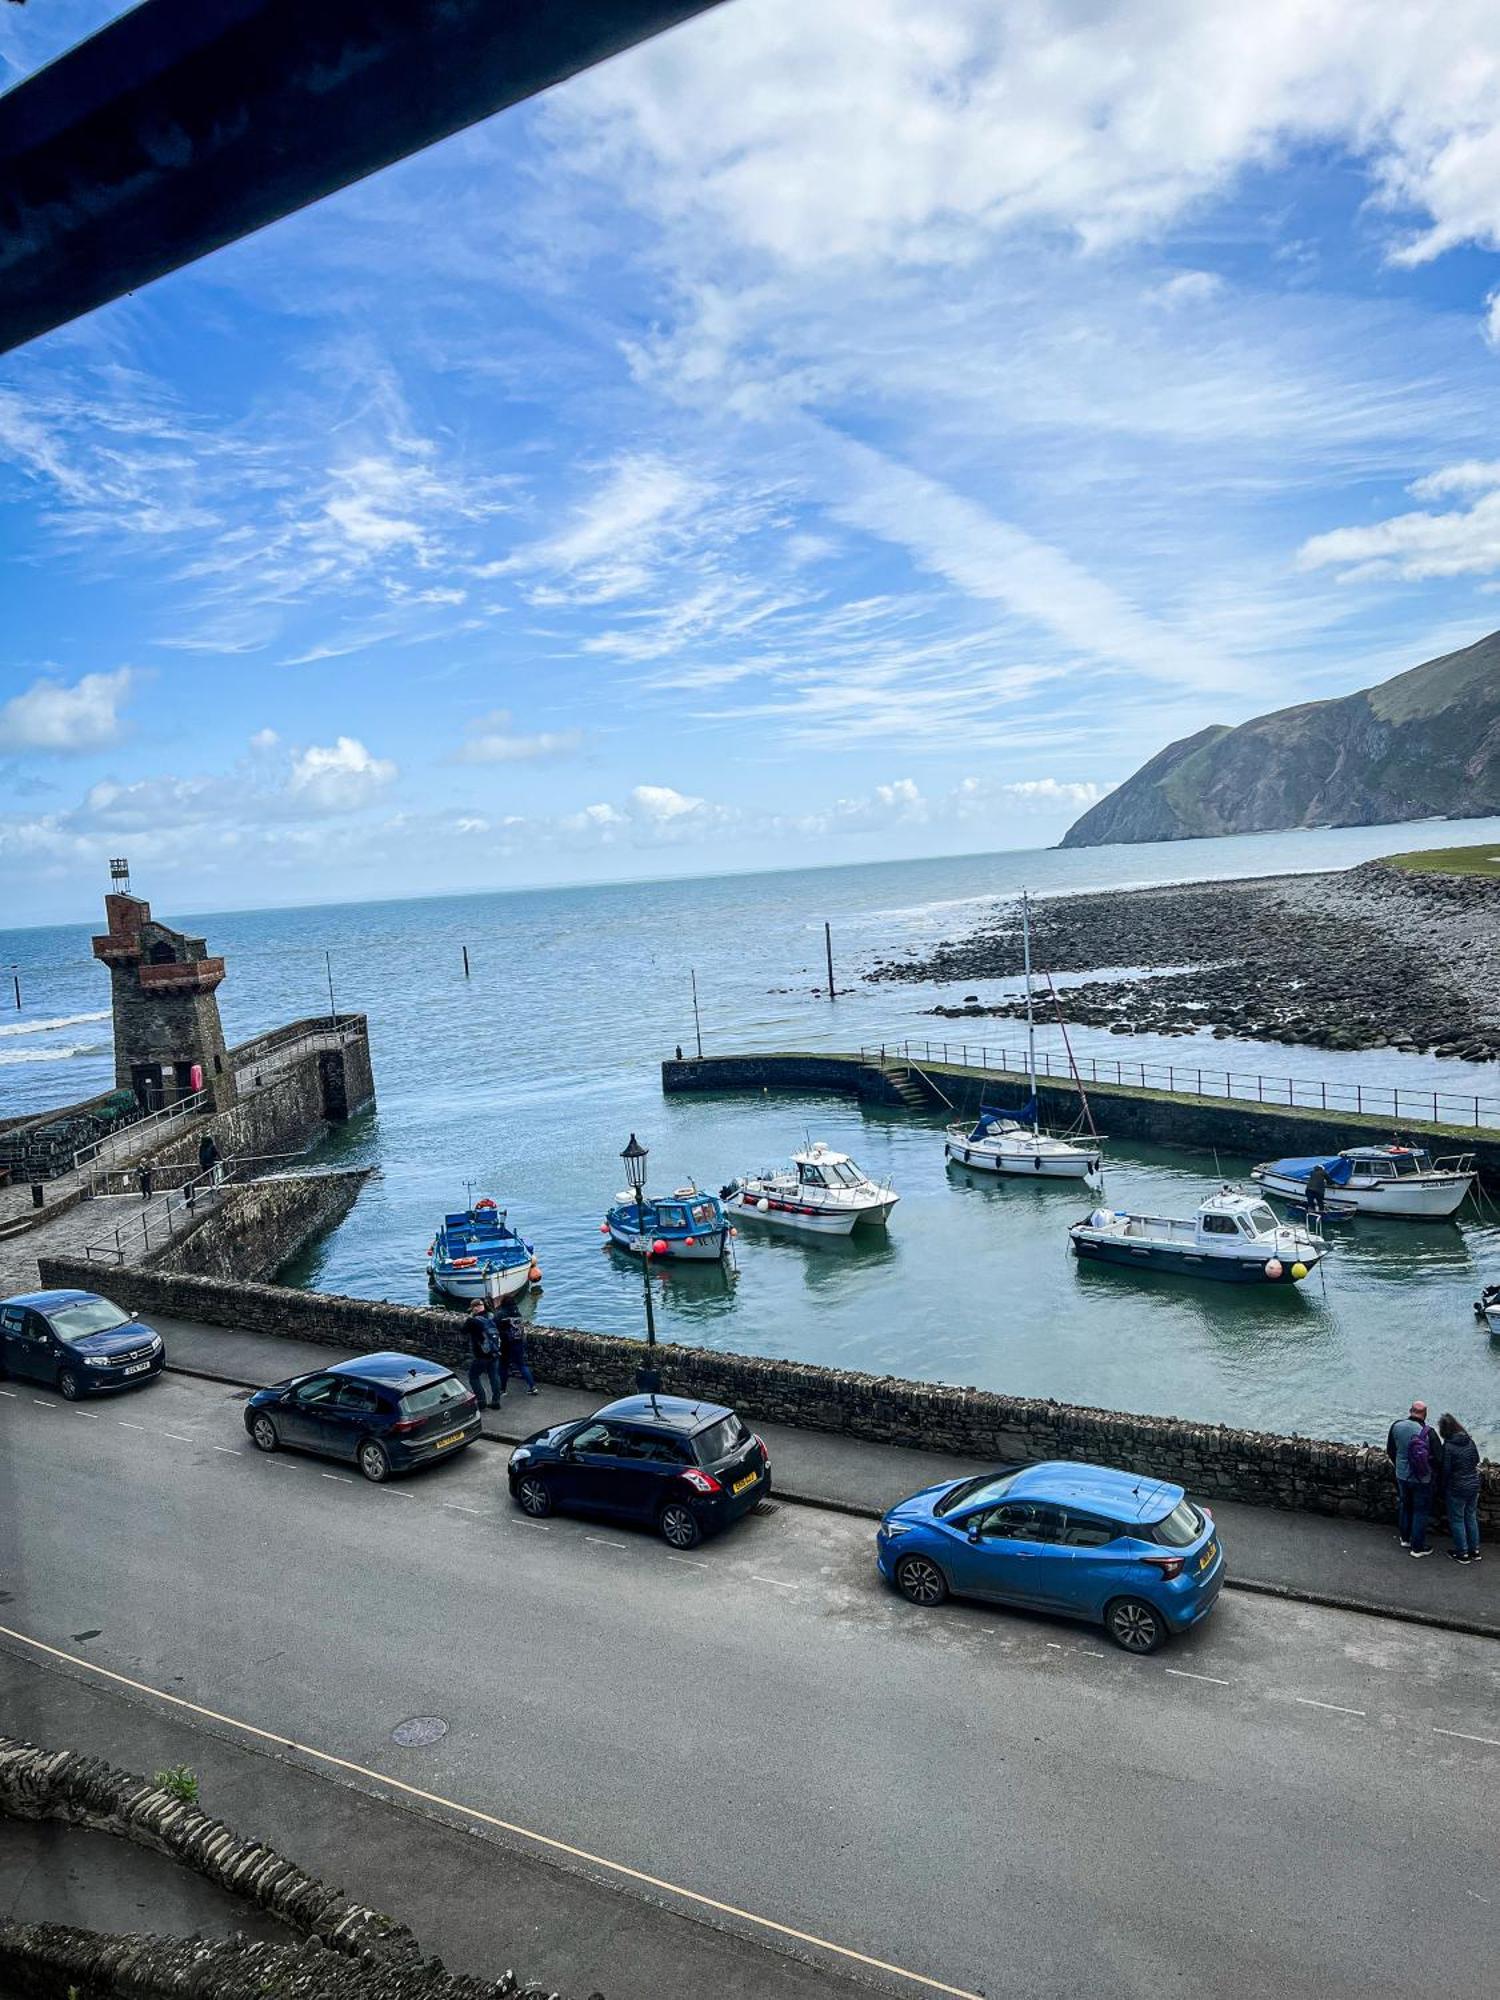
[[1426, 742]]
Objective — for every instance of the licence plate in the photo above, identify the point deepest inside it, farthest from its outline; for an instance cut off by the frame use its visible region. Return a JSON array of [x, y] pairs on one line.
[[456, 1437], [740, 1485], [136, 1368], [1205, 1561]]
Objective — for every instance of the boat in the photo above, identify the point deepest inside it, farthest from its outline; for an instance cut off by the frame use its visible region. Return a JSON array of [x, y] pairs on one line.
[[477, 1255], [1233, 1236], [1487, 1309], [1378, 1180], [1013, 1142], [688, 1225], [823, 1192]]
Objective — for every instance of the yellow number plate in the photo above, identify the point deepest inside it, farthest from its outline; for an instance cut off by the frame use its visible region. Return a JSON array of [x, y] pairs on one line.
[[1205, 1561], [443, 1443], [748, 1480]]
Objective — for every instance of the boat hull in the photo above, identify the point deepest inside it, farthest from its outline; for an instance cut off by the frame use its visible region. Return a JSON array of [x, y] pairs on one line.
[[707, 1247], [478, 1284], [780, 1213], [1432, 1198], [1029, 1164], [1183, 1262]]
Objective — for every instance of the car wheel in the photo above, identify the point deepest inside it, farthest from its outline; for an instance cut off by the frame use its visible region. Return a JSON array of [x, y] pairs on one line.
[[69, 1386], [263, 1433], [1136, 1625], [372, 1461], [920, 1580], [679, 1526], [534, 1497]]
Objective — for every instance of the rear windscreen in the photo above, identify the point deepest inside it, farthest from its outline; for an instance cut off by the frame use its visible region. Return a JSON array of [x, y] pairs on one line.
[[432, 1396], [719, 1440], [1180, 1529]]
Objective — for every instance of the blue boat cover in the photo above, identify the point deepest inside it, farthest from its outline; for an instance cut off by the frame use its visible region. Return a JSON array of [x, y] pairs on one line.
[[991, 1115], [1337, 1169]]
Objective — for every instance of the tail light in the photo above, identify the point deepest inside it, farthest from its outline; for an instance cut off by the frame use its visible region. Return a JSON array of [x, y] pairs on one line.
[[702, 1482], [763, 1452], [1171, 1567], [407, 1424]]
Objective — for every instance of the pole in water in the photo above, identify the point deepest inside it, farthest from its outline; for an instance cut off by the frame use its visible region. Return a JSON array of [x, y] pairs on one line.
[[828, 947], [697, 1018], [465, 949], [16, 978], [333, 1012]]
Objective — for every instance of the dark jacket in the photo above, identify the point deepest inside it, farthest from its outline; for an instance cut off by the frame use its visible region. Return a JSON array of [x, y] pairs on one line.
[[208, 1152], [1461, 1466], [484, 1342], [513, 1335]]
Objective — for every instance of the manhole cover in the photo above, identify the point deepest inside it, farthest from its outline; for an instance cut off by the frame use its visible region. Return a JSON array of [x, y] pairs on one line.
[[419, 1729]]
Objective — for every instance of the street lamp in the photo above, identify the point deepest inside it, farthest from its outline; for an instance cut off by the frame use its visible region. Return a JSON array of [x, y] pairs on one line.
[[647, 1379]]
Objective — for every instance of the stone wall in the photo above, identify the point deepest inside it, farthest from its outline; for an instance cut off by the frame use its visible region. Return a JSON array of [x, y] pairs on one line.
[[1214, 1461], [252, 1231]]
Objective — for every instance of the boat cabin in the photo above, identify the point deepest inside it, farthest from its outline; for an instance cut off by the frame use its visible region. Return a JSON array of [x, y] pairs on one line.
[[1387, 1163], [820, 1168]]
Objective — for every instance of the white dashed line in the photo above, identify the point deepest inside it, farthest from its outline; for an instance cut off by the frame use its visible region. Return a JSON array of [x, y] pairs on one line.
[[1490, 1742], [689, 1560], [233, 1450], [1332, 1706], [521, 1521], [1053, 1646], [129, 1427], [1089, 1654], [600, 1543], [92, 1415], [395, 1493], [11, 1393], [337, 1478], [43, 1405], [776, 1580], [177, 1437], [1182, 1674], [457, 1507]]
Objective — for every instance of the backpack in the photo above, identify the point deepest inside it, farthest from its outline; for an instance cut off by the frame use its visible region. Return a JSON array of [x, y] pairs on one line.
[[1419, 1455]]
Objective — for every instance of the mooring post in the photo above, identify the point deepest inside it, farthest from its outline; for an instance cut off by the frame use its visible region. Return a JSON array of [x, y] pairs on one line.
[[16, 980], [465, 950], [697, 1018], [828, 947]]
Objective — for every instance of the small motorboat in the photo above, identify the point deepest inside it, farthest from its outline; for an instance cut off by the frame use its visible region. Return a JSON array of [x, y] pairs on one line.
[[1379, 1180], [688, 1225], [477, 1255], [823, 1192], [1234, 1236], [1004, 1142], [1487, 1309]]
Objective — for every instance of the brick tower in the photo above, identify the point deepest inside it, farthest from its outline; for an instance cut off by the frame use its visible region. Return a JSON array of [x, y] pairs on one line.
[[163, 987]]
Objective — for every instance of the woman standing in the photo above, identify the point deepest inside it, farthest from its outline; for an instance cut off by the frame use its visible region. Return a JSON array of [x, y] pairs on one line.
[[1461, 1480]]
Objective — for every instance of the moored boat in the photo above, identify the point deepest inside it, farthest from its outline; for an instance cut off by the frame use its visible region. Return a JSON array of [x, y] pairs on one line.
[[823, 1192], [1403, 1181], [1233, 1236], [688, 1225], [475, 1254], [1487, 1310]]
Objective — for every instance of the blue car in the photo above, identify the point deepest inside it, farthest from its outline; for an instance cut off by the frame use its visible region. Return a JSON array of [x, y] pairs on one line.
[[384, 1412], [76, 1343], [1124, 1551]]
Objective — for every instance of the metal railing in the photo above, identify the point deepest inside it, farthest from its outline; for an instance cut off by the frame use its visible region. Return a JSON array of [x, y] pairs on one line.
[[109, 1146], [1393, 1101], [163, 1216]]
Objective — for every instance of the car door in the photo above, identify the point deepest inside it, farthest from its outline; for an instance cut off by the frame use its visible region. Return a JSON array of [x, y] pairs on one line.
[[347, 1416], [305, 1417], [605, 1469], [35, 1349], [12, 1318], [1010, 1553], [1104, 1559]]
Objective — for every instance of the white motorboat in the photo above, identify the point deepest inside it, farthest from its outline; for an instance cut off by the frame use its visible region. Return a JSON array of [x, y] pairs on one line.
[[1013, 1142], [1403, 1181], [1487, 1310], [1234, 1236], [823, 1192]]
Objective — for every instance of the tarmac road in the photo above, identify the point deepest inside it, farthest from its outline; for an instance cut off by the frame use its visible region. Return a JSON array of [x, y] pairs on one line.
[[1292, 1800]]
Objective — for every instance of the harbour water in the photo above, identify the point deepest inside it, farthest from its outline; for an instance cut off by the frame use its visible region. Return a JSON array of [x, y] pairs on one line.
[[526, 1079]]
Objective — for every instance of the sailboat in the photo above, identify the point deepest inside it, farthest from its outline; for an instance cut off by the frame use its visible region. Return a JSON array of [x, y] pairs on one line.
[[1013, 1142]]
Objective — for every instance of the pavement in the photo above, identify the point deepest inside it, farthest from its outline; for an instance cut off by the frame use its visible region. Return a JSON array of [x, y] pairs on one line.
[[756, 1741], [1355, 1565]]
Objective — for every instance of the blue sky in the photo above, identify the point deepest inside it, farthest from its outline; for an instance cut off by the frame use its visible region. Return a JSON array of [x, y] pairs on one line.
[[822, 434]]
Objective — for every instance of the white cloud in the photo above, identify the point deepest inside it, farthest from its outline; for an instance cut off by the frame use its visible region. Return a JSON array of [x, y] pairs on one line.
[[1462, 542], [52, 716], [489, 739], [609, 546], [1050, 792], [264, 739], [660, 803], [339, 777]]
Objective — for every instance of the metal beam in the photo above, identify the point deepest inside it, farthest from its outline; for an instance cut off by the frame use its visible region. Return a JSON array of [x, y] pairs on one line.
[[187, 124]]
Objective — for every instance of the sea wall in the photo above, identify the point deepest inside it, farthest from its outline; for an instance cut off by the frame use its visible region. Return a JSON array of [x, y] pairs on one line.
[[251, 1231], [1214, 1461]]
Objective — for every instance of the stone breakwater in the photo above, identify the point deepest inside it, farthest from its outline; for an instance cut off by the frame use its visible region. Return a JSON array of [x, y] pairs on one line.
[[1312, 1475], [1371, 957]]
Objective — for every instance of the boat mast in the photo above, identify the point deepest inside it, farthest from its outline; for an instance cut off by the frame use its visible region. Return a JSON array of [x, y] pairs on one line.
[[1030, 1016]]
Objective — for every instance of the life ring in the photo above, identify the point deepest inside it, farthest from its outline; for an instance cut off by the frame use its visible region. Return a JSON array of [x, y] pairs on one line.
[[463, 1263], [485, 1202]]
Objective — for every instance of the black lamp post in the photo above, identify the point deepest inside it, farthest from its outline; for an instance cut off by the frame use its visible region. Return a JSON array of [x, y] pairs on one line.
[[647, 1379]]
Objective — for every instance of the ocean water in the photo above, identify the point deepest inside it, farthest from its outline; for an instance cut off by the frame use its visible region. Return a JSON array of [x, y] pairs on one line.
[[526, 1079]]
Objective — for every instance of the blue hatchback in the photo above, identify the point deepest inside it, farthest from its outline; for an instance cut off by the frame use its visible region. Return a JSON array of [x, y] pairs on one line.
[[76, 1343], [1124, 1551], [385, 1412]]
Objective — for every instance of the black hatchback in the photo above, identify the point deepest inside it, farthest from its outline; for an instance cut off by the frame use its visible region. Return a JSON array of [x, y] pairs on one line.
[[386, 1412], [687, 1468]]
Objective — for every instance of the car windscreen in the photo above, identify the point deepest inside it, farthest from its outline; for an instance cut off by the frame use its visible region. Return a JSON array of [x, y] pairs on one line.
[[432, 1396], [1180, 1529], [980, 1491], [85, 1316], [720, 1439]]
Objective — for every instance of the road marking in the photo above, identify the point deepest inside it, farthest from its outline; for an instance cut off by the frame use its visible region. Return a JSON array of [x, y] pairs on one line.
[[11, 1393], [129, 1427], [1089, 1654], [599, 1542], [1053, 1646], [1332, 1706], [92, 1415], [396, 1493], [1182, 1674], [1492, 1742], [42, 1405], [524, 1521], [177, 1437], [546, 1840], [774, 1579], [457, 1507], [233, 1450], [691, 1562], [337, 1478]]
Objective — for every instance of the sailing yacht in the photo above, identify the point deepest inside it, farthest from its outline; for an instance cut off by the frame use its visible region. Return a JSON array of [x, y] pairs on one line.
[[1013, 1142]]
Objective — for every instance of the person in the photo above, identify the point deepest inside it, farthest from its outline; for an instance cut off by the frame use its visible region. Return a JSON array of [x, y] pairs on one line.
[[1317, 1188], [1461, 1470], [484, 1354], [1414, 1449], [208, 1159], [513, 1353], [145, 1180], [679, 1052]]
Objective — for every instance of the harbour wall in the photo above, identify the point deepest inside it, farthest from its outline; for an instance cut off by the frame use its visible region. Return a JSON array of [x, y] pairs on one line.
[[1213, 1461], [252, 1231], [1123, 1111]]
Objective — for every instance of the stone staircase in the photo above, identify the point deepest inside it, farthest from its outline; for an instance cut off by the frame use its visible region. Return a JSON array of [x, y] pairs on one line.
[[909, 1085]]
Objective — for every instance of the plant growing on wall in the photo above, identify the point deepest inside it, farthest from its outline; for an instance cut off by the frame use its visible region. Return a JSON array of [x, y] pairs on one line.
[[178, 1781]]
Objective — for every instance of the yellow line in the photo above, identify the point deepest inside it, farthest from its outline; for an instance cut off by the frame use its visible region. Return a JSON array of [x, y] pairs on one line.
[[489, 1819]]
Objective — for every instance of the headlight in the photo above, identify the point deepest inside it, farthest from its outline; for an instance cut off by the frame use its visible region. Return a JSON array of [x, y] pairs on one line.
[[520, 1456], [890, 1529], [155, 1342], [98, 1361]]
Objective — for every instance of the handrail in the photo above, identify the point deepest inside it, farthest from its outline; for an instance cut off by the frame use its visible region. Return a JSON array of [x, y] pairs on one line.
[[179, 1206], [1394, 1101], [180, 1107], [941, 1095]]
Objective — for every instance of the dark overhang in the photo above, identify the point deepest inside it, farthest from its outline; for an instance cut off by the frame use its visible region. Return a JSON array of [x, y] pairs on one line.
[[187, 124]]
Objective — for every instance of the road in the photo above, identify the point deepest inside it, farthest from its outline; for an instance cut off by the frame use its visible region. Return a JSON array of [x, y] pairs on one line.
[[1292, 1800]]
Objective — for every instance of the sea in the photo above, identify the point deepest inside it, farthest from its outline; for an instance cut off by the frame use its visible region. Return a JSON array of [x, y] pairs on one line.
[[525, 1079]]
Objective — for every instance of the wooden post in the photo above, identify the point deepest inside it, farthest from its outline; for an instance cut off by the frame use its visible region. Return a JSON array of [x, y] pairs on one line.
[[16, 977], [828, 947], [465, 949]]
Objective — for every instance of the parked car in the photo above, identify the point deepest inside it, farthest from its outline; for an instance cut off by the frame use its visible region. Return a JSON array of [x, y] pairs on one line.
[[1132, 1554], [386, 1412], [76, 1342], [687, 1468]]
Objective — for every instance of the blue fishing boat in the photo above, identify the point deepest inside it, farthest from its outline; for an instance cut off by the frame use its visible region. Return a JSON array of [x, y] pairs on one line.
[[689, 1225], [477, 1255]]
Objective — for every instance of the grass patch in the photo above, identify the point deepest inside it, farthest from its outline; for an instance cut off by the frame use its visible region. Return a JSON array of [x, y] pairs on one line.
[[1450, 860]]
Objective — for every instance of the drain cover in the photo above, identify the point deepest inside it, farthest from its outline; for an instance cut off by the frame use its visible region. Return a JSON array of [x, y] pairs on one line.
[[766, 1507], [419, 1729]]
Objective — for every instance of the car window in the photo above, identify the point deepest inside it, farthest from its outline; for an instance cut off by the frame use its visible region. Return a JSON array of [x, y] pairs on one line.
[[12, 1319], [361, 1397], [318, 1390], [1083, 1531], [1178, 1529], [718, 1440], [86, 1316], [660, 1450], [35, 1327], [1022, 1521], [432, 1396], [974, 1492], [597, 1438]]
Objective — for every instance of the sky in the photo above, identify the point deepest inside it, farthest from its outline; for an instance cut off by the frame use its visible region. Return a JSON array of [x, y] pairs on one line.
[[825, 433]]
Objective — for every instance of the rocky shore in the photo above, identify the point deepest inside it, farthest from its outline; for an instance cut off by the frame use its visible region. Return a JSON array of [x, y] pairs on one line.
[[1371, 957]]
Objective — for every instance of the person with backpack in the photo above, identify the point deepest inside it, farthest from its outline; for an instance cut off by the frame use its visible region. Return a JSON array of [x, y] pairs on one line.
[[513, 1353], [1415, 1451], [1461, 1467], [484, 1354]]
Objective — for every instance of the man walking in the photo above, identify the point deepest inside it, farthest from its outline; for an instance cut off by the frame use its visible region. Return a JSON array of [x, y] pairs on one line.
[[1317, 1188], [513, 1353], [484, 1354], [1412, 1447], [208, 1159]]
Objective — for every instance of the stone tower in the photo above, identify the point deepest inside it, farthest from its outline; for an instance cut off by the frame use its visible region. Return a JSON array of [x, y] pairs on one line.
[[163, 988]]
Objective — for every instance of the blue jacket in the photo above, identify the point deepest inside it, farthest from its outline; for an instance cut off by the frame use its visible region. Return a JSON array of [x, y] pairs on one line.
[[1461, 1465]]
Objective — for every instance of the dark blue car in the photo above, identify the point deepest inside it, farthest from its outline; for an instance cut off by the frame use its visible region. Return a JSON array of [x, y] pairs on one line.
[[385, 1412], [1124, 1551], [76, 1343]]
